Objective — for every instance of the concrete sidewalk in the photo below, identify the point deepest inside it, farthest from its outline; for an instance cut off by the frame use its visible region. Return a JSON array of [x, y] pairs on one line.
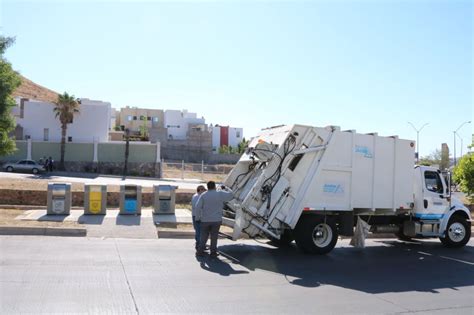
[[114, 225]]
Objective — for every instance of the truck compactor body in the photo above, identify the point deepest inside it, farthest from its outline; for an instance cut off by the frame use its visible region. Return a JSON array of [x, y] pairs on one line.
[[312, 184]]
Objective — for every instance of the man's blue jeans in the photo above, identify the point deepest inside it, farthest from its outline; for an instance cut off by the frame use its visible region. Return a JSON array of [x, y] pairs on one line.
[[197, 229]]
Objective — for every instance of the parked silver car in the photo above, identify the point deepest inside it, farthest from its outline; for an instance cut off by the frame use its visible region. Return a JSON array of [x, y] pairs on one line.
[[24, 165]]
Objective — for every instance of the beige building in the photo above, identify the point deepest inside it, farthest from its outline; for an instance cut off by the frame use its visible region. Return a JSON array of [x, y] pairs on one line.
[[134, 118]]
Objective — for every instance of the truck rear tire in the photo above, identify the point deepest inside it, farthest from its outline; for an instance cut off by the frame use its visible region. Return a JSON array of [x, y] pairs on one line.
[[315, 234], [458, 232]]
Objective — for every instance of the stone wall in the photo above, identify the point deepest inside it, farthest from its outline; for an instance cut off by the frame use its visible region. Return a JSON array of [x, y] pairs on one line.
[[38, 198]]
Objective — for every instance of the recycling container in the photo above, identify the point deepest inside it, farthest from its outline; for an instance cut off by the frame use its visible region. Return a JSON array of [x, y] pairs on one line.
[[95, 198], [130, 199], [59, 198], [164, 199]]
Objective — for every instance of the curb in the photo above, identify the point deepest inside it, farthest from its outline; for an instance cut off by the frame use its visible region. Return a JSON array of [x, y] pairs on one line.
[[176, 234], [43, 231], [179, 234]]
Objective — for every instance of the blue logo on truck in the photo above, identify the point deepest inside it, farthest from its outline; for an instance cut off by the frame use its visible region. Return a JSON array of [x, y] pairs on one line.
[[365, 151], [333, 188]]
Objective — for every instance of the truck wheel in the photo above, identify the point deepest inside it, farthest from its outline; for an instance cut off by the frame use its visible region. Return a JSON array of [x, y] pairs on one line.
[[285, 239], [9, 169], [458, 232], [314, 235]]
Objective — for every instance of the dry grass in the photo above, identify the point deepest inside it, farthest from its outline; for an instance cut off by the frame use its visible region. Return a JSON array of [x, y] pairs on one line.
[[42, 184], [173, 173]]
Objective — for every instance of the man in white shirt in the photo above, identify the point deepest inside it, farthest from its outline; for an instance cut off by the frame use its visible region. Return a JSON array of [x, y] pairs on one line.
[[209, 210], [197, 225]]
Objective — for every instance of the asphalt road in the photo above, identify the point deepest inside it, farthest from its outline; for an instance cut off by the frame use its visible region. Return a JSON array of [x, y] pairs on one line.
[[110, 180], [92, 275]]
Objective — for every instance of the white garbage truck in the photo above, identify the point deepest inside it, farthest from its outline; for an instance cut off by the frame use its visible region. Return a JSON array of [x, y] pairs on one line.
[[312, 184]]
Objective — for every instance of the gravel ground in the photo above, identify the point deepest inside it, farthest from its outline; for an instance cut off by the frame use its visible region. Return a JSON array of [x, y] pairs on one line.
[[7, 218]]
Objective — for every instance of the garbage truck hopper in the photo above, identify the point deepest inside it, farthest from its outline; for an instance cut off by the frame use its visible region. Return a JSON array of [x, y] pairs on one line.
[[289, 170]]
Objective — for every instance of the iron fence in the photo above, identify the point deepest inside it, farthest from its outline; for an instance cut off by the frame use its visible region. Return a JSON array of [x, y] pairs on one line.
[[201, 171]]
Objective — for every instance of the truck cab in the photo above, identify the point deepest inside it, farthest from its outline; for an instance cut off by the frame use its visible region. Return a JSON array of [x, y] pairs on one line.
[[436, 213]]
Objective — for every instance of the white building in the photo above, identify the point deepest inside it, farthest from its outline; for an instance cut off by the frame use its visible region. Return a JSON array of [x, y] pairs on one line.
[[225, 135], [38, 122], [177, 123], [113, 119]]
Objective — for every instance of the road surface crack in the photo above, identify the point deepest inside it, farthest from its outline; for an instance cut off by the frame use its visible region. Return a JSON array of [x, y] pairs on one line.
[[126, 278]]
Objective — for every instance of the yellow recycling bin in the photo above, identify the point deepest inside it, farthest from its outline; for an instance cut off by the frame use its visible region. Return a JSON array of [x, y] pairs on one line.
[[95, 199]]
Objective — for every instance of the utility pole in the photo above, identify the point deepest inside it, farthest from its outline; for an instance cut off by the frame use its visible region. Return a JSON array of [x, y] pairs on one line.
[[127, 145], [455, 132], [460, 138], [418, 139]]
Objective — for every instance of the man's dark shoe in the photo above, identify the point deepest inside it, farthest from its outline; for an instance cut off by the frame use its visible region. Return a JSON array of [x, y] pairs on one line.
[[214, 254], [199, 254]]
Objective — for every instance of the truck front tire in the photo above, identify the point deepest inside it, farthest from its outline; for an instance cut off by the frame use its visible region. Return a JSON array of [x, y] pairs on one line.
[[316, 234], [458, 232]]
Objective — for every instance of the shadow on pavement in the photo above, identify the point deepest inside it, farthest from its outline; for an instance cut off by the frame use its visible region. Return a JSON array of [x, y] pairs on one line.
[[53, 217], [130, 219], [91, 219], [218, 266], [392, 267]]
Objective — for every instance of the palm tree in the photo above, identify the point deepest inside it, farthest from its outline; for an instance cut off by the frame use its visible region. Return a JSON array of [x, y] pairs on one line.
[[65, 108]]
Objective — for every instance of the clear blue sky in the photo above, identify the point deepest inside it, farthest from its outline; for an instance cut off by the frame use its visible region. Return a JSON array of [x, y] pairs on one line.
[[364, 65]]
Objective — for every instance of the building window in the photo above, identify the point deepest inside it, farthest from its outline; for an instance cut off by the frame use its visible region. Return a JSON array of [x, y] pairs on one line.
[[69, 139], [148, 118], [129, 118], [142, 117], [46, 134], [134, 117], [237, 134], [155, 119]]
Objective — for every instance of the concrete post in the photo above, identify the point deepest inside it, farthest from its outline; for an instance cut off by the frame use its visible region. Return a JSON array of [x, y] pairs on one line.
[[158, 152], [96, 150], [158, 165], [202, 170], [162, 166], [28, 151]]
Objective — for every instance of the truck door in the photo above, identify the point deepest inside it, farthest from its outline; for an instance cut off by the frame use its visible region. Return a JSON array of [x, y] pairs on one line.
[[434, 201]]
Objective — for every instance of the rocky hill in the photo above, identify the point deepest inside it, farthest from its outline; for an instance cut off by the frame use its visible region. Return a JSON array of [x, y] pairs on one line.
[[29, 89]]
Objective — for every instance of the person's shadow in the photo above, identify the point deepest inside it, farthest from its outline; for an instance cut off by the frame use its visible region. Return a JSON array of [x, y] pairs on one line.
[[217, 265]]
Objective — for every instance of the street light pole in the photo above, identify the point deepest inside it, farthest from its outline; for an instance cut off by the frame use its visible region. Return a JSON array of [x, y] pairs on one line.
[[455, 132], [418, 139], [460, 138]]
